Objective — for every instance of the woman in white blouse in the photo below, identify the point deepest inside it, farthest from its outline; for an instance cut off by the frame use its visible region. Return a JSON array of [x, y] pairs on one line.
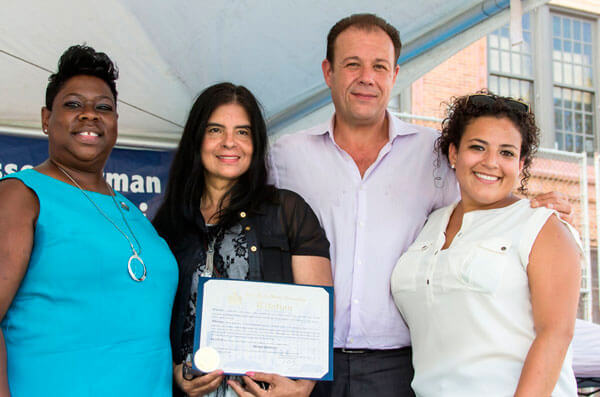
[[490, 287]]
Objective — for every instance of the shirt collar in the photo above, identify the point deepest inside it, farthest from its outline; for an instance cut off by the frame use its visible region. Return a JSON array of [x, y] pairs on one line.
[[396, 127]]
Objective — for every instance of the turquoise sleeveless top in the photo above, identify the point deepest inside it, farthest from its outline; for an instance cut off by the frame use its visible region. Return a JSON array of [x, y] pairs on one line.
[[79, 325]]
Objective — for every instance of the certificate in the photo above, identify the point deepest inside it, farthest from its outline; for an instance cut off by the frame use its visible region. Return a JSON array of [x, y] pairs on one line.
[[243, 326]]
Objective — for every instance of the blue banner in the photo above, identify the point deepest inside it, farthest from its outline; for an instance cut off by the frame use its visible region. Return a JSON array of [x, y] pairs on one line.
[[140, 175]]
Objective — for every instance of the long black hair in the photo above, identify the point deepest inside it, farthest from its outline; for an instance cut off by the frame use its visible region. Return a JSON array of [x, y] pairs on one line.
[[180, 210]]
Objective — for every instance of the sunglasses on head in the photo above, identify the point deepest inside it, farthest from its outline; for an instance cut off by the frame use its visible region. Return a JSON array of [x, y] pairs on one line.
[[483, 99]]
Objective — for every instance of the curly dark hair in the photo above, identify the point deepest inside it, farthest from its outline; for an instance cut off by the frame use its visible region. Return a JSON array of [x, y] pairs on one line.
[[81, 60], [461, 111]]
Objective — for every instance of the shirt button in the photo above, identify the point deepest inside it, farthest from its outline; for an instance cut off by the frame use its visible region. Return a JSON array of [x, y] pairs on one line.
[[350, 340], [503, 248], [361, 223], [253, 248], [355, 301], [359, 262], [242, 214]]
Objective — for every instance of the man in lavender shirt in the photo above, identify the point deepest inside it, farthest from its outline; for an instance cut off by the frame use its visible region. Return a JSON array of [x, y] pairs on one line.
[[373, 180]]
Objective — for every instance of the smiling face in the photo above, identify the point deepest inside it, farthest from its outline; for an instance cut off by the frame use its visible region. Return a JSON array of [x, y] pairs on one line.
[[487, 162], [362, 75], [227, 146], [82, 125]]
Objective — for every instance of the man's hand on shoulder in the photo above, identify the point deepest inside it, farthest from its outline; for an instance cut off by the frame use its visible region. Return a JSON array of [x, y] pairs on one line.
[[556, 201]]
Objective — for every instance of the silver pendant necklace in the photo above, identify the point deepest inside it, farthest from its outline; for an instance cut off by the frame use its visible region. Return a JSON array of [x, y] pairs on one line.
[[135, 254]]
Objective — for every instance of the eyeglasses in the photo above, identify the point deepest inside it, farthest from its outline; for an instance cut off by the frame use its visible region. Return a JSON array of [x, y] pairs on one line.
[[483, 99]]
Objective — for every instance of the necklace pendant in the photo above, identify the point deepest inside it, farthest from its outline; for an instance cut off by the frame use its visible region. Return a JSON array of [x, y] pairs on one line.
[[138, 263]]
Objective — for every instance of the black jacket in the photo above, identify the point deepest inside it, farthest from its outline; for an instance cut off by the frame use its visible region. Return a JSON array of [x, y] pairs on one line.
[[278, 230]]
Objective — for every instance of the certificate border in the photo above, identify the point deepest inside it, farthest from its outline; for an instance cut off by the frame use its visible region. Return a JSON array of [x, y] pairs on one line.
[[199, 297]]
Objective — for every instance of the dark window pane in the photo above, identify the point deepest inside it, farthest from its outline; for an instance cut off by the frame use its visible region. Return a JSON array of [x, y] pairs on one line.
[[558, 124], [567, 99], [579, 122], [560, 145], [578, 143], [587, 101], [569, 142], [568, 120], [589, 130], [577, 100]]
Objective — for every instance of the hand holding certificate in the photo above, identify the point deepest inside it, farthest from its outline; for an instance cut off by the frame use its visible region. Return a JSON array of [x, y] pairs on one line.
[[246, 326]]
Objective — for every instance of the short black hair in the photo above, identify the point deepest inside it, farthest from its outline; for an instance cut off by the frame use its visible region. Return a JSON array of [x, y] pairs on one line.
[[462, 111], [81, 60], [368, 22]]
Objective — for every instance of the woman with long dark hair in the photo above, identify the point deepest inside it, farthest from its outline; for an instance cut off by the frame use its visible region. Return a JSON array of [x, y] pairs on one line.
[[222, 219]]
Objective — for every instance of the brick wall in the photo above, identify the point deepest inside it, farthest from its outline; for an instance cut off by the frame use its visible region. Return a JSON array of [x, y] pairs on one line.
[[463, 73]]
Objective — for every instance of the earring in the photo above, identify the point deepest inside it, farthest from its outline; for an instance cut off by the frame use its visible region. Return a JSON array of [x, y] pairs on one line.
[[452, 166], [45, 130]]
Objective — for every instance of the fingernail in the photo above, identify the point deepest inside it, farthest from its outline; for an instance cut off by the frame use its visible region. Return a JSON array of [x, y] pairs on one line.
[[250, 374]]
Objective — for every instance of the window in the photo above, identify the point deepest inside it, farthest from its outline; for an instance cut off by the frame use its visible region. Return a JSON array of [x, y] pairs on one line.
[[573, 84], [511, 68]]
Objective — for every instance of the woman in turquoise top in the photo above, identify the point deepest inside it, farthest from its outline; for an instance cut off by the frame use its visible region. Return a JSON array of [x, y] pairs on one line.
[[86, 284]]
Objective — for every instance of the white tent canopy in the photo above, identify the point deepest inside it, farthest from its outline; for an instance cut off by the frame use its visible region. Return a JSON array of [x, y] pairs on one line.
[[167, 52]]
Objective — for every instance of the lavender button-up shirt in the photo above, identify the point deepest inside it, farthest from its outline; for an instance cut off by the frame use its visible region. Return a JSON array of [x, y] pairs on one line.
[[369, 221]]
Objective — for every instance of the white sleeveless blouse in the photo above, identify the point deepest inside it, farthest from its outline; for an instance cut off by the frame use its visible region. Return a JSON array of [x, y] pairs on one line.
[[468, 307]]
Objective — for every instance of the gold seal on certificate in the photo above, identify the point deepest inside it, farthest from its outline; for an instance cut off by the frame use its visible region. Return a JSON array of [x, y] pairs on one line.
[[206, 359], [251, 326]]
